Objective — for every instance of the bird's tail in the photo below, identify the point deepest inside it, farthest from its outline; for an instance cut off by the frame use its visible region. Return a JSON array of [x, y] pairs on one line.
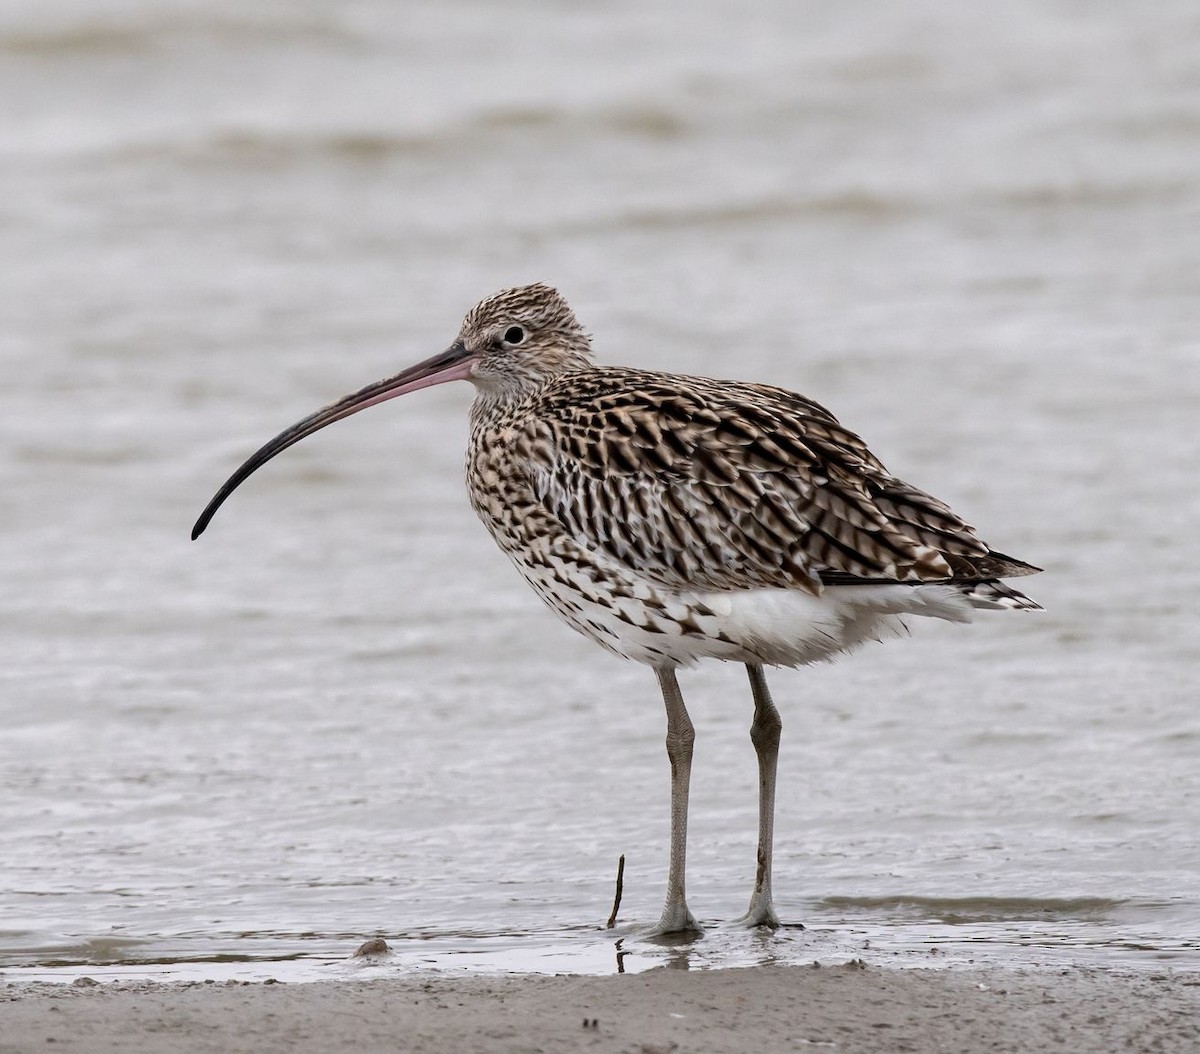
[[997, 595]]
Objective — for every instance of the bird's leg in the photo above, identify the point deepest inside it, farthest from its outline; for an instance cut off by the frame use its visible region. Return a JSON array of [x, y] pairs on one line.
[[680, 735], [764, 734]]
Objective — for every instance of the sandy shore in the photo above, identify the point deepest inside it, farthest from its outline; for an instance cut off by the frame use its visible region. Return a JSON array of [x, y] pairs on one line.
[[762, 1010]]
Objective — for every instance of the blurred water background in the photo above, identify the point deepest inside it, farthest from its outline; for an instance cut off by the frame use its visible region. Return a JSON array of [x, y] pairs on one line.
[[974, 233]]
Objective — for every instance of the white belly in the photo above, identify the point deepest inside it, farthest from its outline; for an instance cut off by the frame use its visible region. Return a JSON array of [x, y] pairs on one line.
[[778, 627]]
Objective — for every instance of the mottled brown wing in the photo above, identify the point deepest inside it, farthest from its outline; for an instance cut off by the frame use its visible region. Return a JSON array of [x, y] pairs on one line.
[[722, 485]]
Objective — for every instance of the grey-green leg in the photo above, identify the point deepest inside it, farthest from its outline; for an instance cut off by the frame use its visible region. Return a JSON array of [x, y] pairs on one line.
[[764, 734], [680, 735]]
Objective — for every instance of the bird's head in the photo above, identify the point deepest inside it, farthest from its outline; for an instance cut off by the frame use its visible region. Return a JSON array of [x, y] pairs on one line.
[[519, 338], [509, 344]]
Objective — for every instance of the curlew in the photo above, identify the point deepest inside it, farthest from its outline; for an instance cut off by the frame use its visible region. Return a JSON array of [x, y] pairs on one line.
[[672, 518]]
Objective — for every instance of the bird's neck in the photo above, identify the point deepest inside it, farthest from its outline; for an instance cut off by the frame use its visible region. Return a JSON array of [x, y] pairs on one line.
[[496, 399]]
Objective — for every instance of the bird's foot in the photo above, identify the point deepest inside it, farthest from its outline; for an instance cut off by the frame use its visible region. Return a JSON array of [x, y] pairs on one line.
[[676, 920], [760, 913]]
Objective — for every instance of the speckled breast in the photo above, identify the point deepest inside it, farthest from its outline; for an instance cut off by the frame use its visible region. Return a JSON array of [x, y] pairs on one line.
[[594, 594]]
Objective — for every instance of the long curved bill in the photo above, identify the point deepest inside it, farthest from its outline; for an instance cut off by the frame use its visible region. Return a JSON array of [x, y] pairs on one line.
[[453, 364]]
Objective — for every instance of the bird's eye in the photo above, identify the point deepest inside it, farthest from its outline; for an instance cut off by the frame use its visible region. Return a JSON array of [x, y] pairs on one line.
[[514, 335]]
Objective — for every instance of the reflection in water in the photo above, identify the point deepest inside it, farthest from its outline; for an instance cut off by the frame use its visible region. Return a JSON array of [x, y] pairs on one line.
[[1038, 934]]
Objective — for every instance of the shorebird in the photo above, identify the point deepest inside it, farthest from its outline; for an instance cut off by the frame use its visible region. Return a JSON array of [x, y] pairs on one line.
[[671, 518]]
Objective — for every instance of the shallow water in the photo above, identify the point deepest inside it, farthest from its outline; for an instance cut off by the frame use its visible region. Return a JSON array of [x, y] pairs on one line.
[[341, 715]]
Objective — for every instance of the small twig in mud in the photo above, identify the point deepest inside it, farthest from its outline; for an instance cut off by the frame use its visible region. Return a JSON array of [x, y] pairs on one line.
[[612, 919]]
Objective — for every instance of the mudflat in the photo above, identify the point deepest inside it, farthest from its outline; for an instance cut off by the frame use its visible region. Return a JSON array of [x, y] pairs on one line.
[[853, 1008]]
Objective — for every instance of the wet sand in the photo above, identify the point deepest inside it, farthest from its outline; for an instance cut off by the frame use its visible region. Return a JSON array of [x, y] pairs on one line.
[[847, 1008]]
